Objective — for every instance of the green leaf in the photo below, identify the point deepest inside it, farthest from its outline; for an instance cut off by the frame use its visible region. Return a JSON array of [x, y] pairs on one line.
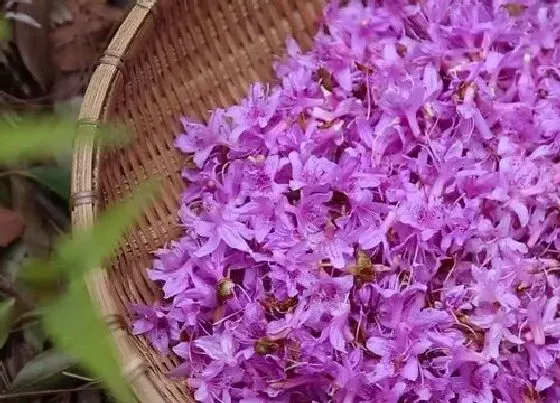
[[41, 368], [35, 137], [5, 193], [43, 279], [88, 249], [47, 136], [71, 321], [4, 29], [114, 136], [34, 335], [52, 177], [6, 316], [74, 327]]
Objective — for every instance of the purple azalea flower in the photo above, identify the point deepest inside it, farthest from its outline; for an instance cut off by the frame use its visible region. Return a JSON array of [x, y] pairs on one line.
[[522, 179], [338, 330], [363, 24], [334, 56], [460, 224], [331, 245], [216, 226], [498, 325], [300, 91], [541, 319], [381, 223], [286, 233], [474, 384], [173, 257], [154, 323], [374, 236], [404, 98], [199, 183], [254, 112], [185, 310], [200, 139], [201, 290], [174, 282], [311, 212], [492, 287], [294, 269], [499, 239], [398, 353], [210, 385], [220, 349], [349, 375], [260, 215], [511, 387], [292, 138], [312, 172], [278, 329], [254, 321], [426, 216], [470, 112], [546, 117], [352, 179], [258, 178]]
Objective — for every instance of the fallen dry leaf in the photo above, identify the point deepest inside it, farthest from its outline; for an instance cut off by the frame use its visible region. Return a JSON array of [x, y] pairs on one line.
[[11, 226], [33, 42], [79, 45], [36, 236]]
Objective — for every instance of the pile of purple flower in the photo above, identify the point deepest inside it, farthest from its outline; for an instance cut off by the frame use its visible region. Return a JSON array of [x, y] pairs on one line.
[[384, 224]]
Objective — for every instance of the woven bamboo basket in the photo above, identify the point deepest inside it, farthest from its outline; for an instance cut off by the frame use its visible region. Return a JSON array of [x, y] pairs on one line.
[[168, 59]]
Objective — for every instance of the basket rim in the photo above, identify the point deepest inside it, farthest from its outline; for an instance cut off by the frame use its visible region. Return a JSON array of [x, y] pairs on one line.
[[84, 193]]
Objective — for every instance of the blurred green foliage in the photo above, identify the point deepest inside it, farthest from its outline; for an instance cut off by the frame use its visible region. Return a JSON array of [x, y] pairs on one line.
[[66, 312], [55, 178], [35, 137]]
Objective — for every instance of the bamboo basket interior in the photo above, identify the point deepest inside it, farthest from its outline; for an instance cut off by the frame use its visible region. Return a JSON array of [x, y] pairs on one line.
[[170, 58]]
